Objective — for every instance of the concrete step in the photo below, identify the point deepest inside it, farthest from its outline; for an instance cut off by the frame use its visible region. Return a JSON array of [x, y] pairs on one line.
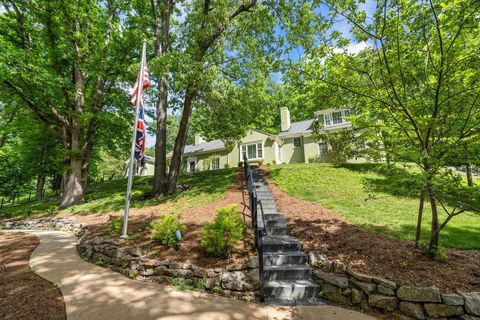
[[287, 272], [274, 216], [271, 224], [280, 244], [267, 209], [268, 202], [298, 302], [277, 259], [278, 231], [291, 290]]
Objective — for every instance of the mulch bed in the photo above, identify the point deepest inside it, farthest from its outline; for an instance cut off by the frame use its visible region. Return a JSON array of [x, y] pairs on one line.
[[372, 253], [23, 294], [190, 249]]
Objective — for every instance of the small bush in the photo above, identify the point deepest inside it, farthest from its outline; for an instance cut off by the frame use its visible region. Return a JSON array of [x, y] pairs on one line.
[[260, 162], [163, 229], [115, 225], [220, 236], [133, 275], [226, 165], [217, 289]]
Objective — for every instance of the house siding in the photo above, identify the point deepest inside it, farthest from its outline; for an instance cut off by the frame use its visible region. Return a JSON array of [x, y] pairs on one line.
[[310, 146], [290, 154]]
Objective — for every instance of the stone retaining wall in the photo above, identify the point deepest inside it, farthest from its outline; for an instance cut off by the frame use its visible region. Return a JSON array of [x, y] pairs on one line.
[[56, 223], [238, 280], [342, 285]]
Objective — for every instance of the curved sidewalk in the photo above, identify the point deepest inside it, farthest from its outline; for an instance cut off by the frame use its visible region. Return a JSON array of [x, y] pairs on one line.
[[92, 292]]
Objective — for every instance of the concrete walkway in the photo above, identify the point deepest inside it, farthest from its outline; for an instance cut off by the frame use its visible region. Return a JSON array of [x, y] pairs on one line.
[[92, 292]]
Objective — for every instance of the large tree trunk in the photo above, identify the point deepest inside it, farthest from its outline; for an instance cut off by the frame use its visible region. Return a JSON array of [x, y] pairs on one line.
[[40, 185], [469, 175], [74, 191], [160, 175], [181, 139], [162, 46]]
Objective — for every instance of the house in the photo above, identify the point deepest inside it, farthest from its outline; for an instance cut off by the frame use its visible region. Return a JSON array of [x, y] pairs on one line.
[[295, 143]]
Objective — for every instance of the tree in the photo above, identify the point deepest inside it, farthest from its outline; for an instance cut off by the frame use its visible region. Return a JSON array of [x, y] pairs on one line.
[[420, 78], [63, 60]]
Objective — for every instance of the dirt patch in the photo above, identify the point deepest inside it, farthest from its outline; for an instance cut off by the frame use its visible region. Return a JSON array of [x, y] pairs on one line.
[[373, 253], [190, 247], [23, 294]]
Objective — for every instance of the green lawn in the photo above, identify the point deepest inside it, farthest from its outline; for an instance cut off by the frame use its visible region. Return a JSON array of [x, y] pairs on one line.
[[109, 196], [364, 196]]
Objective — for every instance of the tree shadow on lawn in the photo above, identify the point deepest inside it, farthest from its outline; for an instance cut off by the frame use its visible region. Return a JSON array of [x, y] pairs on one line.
[[394, 181], [110, 196]]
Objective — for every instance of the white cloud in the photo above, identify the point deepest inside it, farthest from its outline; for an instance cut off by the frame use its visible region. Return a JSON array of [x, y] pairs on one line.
[[352, 48]]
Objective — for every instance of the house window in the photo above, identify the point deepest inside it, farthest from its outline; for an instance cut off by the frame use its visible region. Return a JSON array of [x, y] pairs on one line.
[[244, 152], [252, 151], [337, 117], [327, 119], [322, 148], [191, 165], [216, 164], [297, 142]]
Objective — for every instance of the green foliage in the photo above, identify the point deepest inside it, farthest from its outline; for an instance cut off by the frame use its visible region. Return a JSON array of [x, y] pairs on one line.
[[115, 225], [217, 288], [441, 253], [163, 229], [181, 284], [133, 275], [220, 236], [101, 262]]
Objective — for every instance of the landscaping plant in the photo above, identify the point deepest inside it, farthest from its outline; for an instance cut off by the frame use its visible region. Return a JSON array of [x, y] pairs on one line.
[[220, 236], [115, 225], [163, 229]]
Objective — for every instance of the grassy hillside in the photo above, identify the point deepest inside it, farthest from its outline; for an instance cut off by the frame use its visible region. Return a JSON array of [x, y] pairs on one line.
[[204, 187], [365, 196]]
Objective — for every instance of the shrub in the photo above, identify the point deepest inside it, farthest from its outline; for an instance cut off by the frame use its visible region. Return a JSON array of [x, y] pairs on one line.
[[274, 161], [163, 229], [226, 166], [115, 226], [220, 236], [260, 162]]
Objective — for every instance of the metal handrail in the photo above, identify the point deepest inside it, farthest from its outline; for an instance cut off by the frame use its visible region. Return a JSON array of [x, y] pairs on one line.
[[259, 233]]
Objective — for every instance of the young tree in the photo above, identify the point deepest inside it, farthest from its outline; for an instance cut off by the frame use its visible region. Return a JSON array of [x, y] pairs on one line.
[[421, 78]]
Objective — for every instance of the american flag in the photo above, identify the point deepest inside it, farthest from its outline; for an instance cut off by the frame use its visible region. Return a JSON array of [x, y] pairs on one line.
[[140, 137]]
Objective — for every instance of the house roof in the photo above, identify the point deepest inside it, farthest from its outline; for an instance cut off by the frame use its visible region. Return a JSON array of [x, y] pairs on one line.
[[214, 145], [300, 127]]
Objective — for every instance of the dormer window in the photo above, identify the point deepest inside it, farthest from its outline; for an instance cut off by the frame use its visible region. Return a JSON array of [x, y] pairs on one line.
[[336, 117]]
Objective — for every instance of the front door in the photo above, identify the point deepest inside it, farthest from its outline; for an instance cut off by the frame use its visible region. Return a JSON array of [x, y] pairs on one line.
[[192, 166]]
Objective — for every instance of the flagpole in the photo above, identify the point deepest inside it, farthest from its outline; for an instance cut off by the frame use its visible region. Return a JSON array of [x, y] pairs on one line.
[[134, 136]]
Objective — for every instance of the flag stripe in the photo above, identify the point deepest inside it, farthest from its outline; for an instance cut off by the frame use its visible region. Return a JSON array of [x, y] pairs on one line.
[[141, 134]]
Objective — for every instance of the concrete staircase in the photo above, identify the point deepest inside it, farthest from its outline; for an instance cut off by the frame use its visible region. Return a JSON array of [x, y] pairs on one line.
[[286, 274]]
